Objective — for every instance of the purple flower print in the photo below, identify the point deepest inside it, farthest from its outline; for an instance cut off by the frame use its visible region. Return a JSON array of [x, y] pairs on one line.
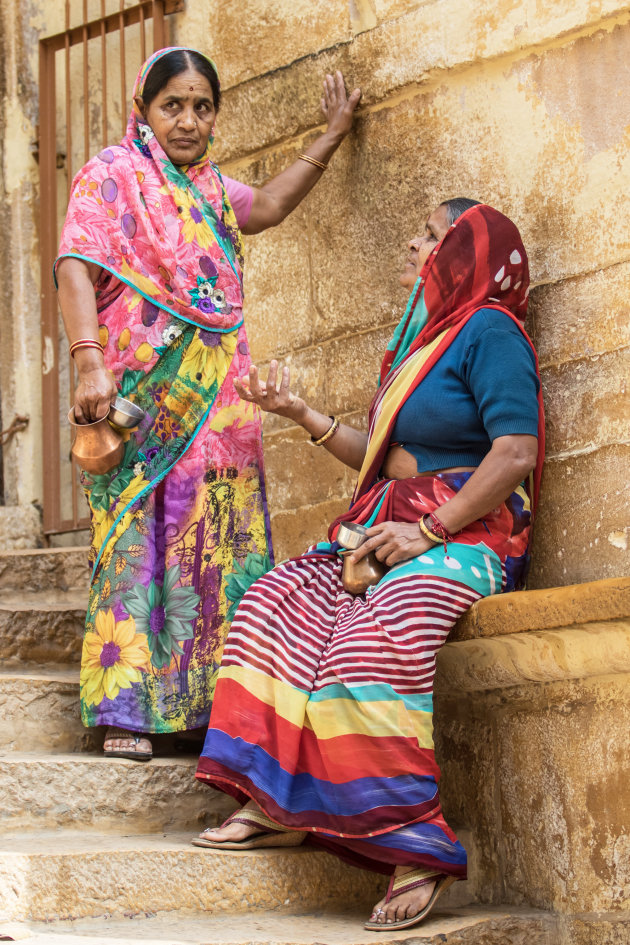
[[211, 339]]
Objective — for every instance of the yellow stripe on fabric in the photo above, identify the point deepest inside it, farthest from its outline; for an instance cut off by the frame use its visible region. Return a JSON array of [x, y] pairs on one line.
[[392, 400], [334, 717], [375, 720], [287, 701]]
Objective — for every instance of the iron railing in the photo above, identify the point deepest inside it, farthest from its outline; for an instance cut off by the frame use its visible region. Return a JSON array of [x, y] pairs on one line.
[[84, 105]]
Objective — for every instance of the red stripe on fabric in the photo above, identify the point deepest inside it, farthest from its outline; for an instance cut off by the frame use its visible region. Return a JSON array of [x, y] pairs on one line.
[[338, 760]]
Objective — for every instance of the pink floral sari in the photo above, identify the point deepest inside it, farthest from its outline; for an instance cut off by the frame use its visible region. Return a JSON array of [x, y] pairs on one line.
[[183, 518]]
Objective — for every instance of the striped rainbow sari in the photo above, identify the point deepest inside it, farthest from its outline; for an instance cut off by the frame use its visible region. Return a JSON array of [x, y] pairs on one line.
[[323, 706]]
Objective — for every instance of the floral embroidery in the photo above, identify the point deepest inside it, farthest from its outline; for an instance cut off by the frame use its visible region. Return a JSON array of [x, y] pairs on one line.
[[171, 334], [145, 133], [114, 656], [165, 613]]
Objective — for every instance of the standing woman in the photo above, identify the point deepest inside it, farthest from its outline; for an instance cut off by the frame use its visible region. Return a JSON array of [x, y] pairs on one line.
[[150, 286]]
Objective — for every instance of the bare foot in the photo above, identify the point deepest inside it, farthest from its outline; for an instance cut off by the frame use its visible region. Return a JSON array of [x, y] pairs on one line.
[[232, 831], [120, 743], [405, 906]]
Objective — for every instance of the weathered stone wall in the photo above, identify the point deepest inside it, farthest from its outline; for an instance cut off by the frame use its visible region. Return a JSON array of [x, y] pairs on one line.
[[516, 102], [520, 104]]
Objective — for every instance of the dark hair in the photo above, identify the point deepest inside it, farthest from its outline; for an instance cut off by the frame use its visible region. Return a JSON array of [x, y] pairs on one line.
[[174, 63], [456, 206]]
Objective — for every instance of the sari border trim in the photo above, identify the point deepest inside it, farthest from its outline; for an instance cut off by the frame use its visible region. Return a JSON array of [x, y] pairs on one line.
[[131, 285]]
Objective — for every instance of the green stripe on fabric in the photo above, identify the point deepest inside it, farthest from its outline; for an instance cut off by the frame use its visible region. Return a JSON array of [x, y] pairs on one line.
[[374, 692]]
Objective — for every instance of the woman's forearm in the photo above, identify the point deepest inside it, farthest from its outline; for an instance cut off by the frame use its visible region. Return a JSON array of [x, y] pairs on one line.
[[77, 299], [96, 387], [278, 197], [508, 463], [347, 445]]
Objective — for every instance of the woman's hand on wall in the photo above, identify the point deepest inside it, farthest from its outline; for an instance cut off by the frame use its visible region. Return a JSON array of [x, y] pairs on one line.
[[338, 107], [393, 542], [276, 199]]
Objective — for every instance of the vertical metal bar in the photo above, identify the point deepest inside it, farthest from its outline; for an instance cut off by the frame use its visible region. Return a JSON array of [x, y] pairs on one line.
[[143, 44], [123, 83], [68, 105], [86, 103], [157, 12], [49, 316], [103, 75]]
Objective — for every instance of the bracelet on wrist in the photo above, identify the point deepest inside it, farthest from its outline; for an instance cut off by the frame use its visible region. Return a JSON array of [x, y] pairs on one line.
[[328, 435], [85, 343], [313, 161], [426, 531], [435, 529]]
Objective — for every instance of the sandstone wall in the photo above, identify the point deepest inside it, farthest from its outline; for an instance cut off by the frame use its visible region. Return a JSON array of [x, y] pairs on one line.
[[518, 103]]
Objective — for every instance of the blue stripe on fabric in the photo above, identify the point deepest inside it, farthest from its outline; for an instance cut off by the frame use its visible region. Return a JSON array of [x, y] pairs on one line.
[[422, 837], [476, 566], [302, 792], [374, 692], [370, 521]]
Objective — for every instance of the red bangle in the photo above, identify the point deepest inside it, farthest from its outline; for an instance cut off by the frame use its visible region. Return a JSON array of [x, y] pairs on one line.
[[85, 343]]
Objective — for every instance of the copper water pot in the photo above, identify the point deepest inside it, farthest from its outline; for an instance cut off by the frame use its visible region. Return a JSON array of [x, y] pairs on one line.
[[97, 447], [356, 578]]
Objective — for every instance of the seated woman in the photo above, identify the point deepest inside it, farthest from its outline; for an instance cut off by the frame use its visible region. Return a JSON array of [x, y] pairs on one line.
[[322, 719]]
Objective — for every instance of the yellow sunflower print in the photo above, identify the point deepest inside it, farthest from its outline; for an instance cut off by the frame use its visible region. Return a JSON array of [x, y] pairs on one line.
[[194, 226], [210, 355], [114, 656]]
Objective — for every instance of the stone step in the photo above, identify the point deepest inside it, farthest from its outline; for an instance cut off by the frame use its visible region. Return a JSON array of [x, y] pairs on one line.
[[45, 569], [39, 711], [96, 793], [42, 627], [60, 874], [478, 925]]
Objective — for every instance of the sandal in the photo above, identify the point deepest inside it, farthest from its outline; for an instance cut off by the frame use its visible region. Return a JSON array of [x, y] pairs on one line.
[[126, 753], [269, 834], [402, 884]]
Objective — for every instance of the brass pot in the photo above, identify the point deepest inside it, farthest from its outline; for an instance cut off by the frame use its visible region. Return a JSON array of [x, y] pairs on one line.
[[356, 578], [97, 447]]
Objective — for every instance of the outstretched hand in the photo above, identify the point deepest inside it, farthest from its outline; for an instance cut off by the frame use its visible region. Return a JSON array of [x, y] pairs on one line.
[[337, 106], [269, 395]]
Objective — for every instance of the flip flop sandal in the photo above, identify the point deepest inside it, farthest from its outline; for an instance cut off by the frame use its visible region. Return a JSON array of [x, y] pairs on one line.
[[268, 834], [121, 752], [402, 884]]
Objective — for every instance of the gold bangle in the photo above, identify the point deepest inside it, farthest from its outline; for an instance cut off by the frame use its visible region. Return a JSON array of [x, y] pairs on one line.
[[330, 432], [313, 161], [428, 533]]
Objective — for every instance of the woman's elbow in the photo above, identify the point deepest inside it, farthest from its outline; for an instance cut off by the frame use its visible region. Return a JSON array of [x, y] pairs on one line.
[[519, 452]]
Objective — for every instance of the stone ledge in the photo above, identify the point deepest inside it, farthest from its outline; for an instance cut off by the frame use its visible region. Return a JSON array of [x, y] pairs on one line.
[[592, 649], [56, 875], [36, 569], [545, 609], [105, 794], [479, 926]]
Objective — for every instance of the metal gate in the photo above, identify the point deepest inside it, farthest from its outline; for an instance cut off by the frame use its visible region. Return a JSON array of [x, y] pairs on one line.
[[84, 106]]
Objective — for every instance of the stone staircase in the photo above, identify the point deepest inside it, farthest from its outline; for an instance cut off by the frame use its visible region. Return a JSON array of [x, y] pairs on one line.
[[95, 849]]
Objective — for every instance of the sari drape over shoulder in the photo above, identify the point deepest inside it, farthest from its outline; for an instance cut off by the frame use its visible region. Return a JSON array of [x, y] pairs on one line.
[[323, 708], [176, 523]]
